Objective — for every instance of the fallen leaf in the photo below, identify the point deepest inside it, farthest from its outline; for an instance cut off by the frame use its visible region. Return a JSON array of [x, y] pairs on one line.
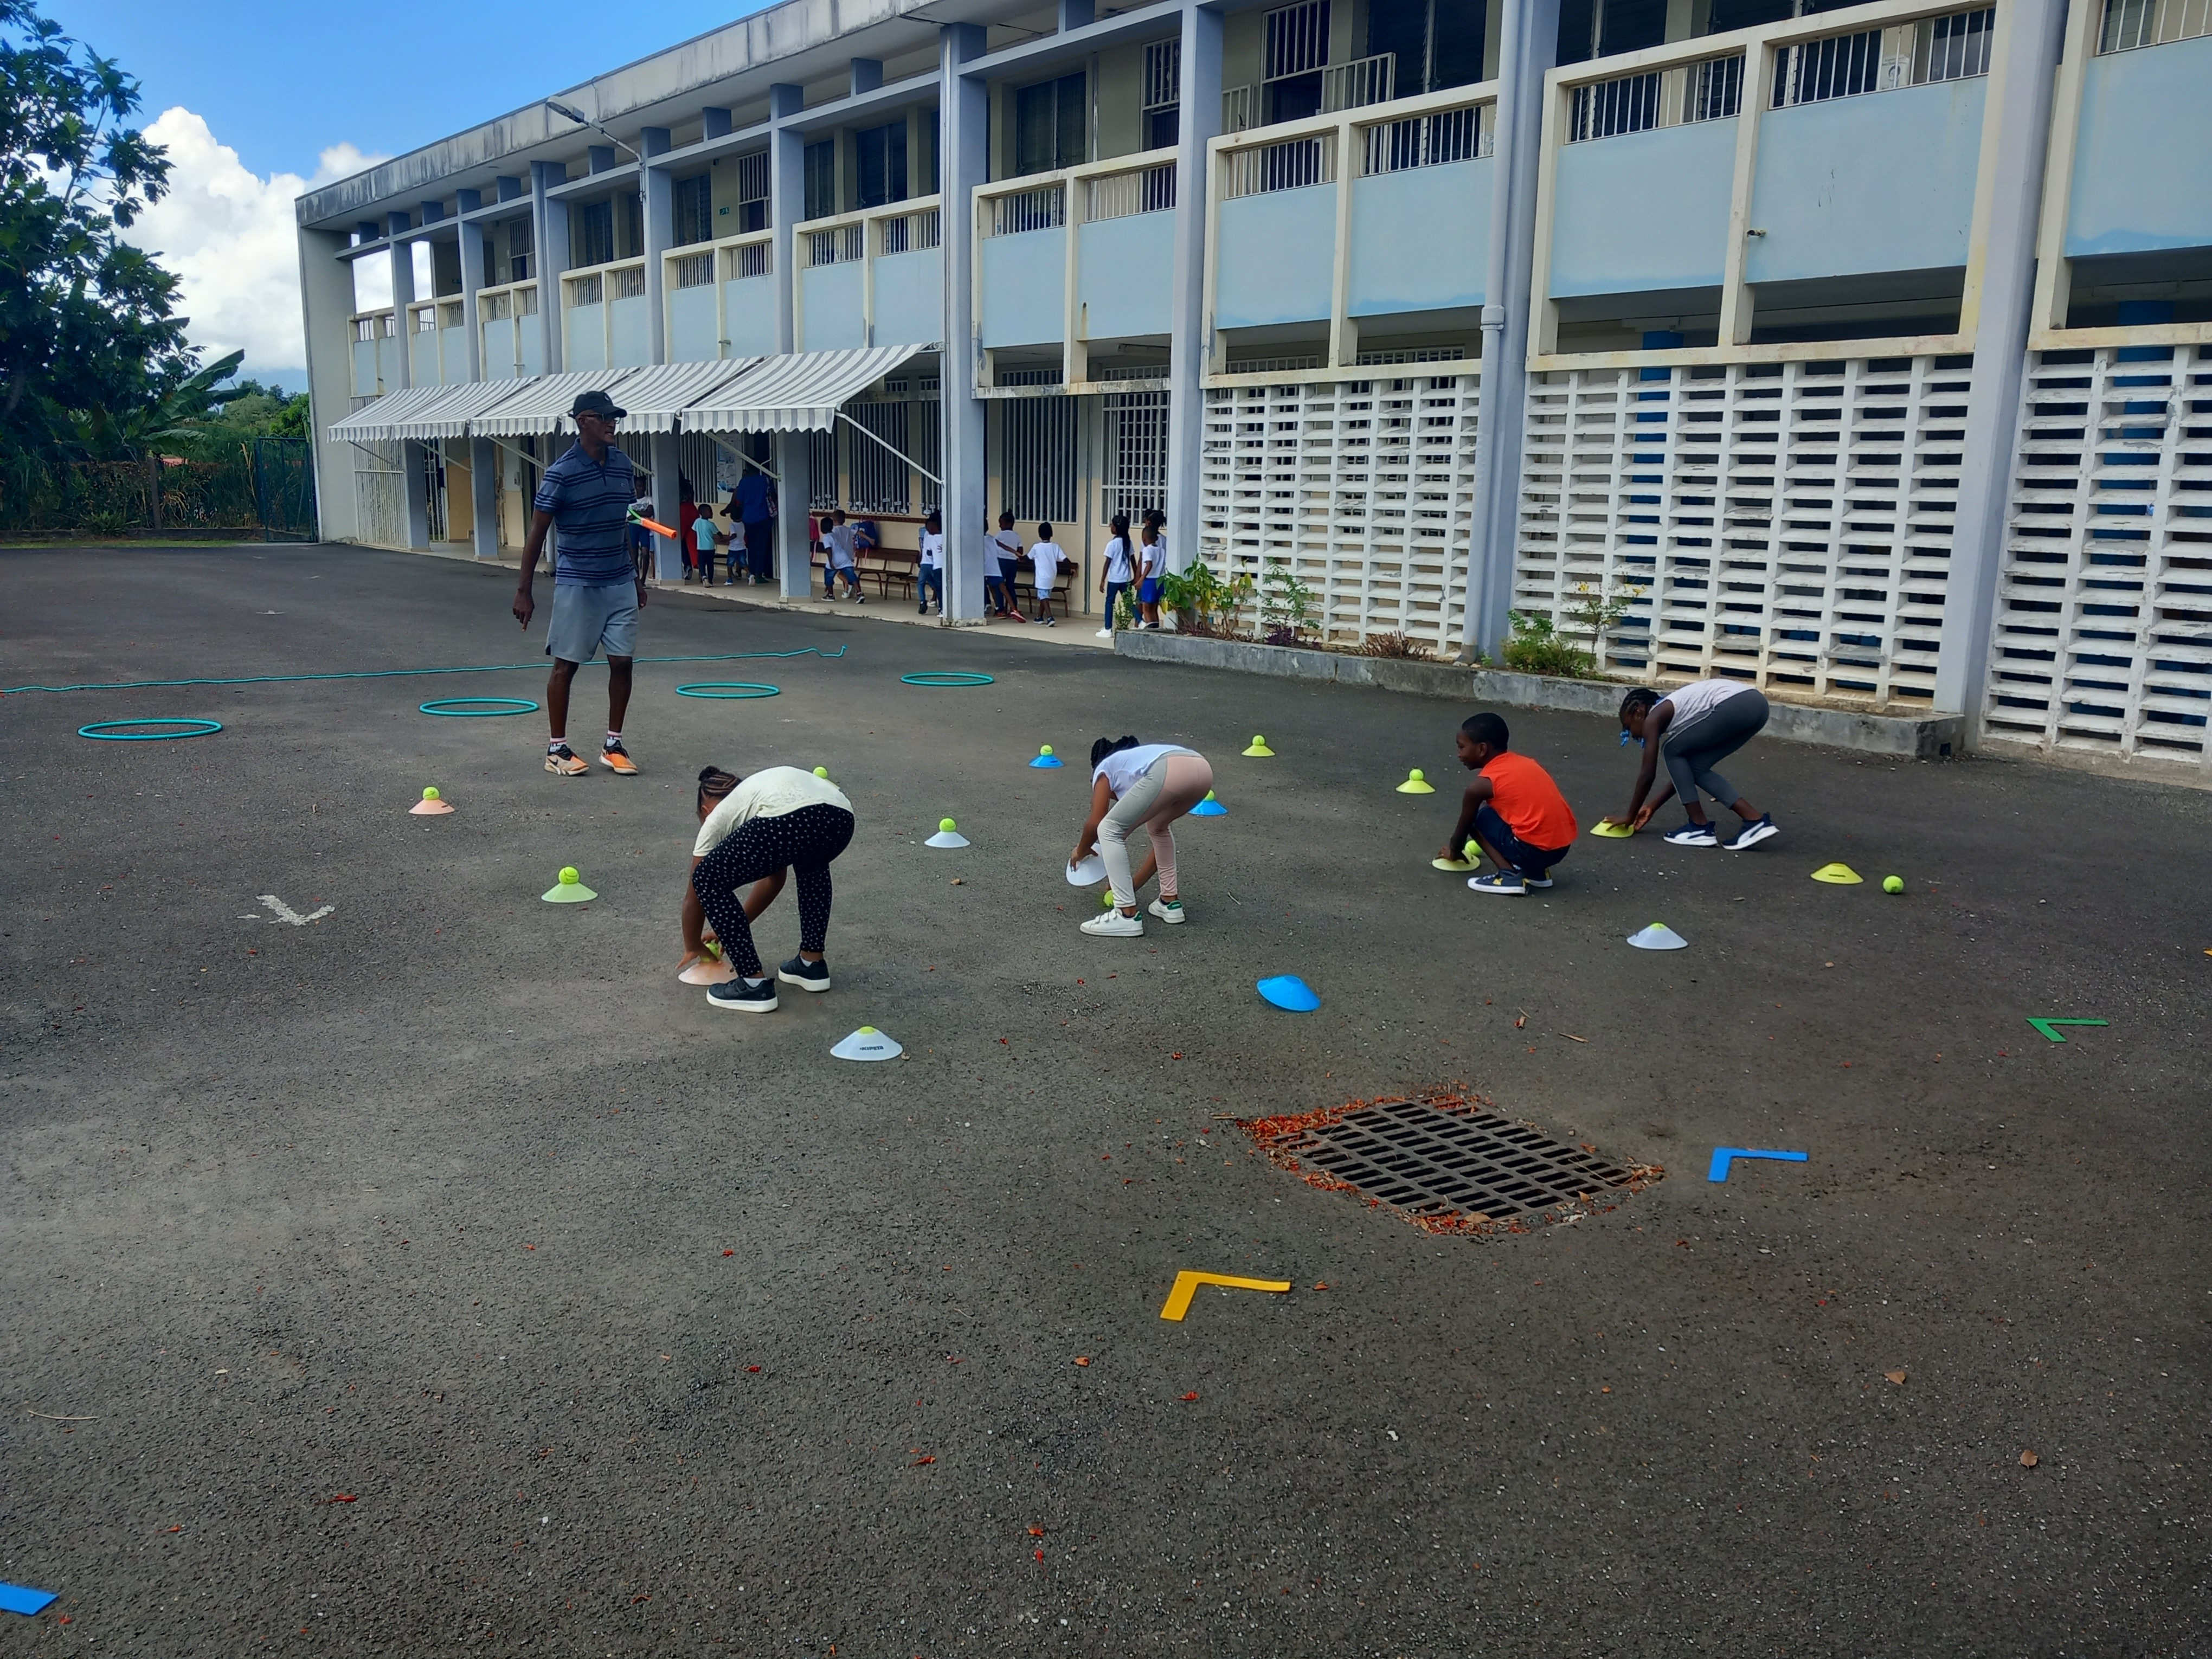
[[729, 1253], [1894, 1377], [1175, 1056], [1190, 1396], [2029, 1459], [957, 882], [1321, 1287], [1083, 1359], [1036, 1532], [919, 1462], [1520, 1022], [752, 1367], [176, 1529], [343, 1497], [634, 1600]]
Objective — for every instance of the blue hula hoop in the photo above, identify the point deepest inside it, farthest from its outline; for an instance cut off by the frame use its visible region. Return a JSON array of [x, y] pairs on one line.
[[947, 678], [727, 691], [452, 709], [105, 732]]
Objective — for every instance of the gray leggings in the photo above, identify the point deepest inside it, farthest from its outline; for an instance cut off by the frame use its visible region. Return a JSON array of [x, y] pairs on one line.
[[1693, 747]]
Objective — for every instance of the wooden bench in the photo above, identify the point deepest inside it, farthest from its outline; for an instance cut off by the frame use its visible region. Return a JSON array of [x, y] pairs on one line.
[[891, 564]]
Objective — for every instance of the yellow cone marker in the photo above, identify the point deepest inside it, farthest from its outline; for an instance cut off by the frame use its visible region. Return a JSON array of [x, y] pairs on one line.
[[1416, 783], [1186, 1283], [1258, 751], [1838, 875]]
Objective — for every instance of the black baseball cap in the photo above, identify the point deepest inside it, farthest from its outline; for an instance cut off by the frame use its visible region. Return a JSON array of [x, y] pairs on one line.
[[595, 403]]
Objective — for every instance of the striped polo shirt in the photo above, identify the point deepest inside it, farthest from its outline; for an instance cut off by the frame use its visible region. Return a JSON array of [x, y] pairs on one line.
[[590, 503]]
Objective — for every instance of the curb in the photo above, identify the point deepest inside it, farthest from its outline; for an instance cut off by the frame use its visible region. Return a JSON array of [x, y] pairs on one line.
[[1934, 736]]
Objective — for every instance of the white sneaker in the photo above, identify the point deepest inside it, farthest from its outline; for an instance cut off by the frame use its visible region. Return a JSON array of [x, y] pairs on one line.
[[1168, 910], [1114, 925], [1105, 633]]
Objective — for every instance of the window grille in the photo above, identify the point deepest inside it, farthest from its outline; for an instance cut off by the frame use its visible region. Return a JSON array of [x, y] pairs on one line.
[[628, 283], [881, 481], [2132, 23], [1415, 355], [595, 234], [496, 308], [521, 245], [584, 291], [910, 233], [1711, 90], [928, 449], [694, 205], [1296, 39], [1427, 141], [821, 481], [1120, 195], [695, 270], [821, 169], [426, 319], [1134, 477], [365, 328], [1273, 365], [525, 301], [752, 192], [450, 315], [841, 245], [1292, 164], [1036, 460], [754, 259], [1955, 47], [1163, 75], [1044, 208]]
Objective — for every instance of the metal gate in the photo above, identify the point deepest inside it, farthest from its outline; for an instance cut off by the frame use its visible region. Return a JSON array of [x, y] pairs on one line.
[[284, 488], [1037, 458]]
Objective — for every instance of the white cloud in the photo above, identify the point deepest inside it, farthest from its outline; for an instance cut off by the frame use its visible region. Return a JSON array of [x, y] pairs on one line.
[[230, 236]]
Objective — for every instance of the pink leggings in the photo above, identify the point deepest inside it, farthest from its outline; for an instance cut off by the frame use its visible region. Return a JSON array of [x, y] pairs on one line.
[[1172, 786]]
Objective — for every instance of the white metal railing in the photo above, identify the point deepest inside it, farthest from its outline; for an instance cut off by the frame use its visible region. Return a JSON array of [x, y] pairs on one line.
[[838, 245], [909, 233], [1240, 108], [1140, 190], [747, 260], [507, 302], [375, 325], [1362, 82], [1427, 141], [1286, 164], [585, 290], [691, 271], [627, 283], [1952, 47], [1710, 90], [1162, 74], [2132, 23], [1295, 39], [1042, 207], [450, 313], [422, 318]]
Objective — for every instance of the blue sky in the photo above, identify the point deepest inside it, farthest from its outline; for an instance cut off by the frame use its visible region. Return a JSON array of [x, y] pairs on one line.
[[280, 83]]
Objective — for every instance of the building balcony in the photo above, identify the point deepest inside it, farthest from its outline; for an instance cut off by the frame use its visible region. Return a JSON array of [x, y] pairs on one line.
[[507, 325], [375, 353], [1082, 259], [874, 277], [721, 299], [604, 322], [437, 342]]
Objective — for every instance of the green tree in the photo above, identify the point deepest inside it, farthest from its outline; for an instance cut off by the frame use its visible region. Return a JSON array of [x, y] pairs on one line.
[[89, 346]]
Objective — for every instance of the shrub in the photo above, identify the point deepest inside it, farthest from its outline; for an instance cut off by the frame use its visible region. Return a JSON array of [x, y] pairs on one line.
[[1536, 648], [1391, 645]]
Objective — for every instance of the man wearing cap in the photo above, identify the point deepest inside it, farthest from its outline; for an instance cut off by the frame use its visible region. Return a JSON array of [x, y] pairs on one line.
[[596, 590]]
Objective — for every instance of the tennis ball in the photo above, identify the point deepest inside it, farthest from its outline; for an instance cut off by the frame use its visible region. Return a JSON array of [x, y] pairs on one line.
[[946, 825], [1418, 775], [569, 877], [430, 794], [1106, 900], [1047, 750], [1892, 883], [821, 771]]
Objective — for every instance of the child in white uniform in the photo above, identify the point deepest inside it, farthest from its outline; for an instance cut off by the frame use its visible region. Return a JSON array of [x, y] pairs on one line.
[[933, 563], [1120, 569], [1045, 557]]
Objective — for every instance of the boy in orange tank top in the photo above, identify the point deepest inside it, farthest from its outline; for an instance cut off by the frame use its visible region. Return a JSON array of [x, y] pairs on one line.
[[1513, 809]]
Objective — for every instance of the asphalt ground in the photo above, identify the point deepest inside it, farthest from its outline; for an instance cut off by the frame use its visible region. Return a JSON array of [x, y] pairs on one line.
[[442, 1276]]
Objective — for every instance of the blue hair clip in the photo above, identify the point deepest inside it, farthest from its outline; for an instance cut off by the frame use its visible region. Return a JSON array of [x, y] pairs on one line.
[[1625, 735]]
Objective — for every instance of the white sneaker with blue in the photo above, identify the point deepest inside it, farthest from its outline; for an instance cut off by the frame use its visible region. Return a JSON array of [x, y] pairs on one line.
[[1694, 834], [1754, 832], [1508, 882]]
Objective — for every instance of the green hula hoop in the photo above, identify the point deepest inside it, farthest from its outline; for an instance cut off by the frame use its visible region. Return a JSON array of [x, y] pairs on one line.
[[727, 691], [946, 678], [105, 732], [452, 709]]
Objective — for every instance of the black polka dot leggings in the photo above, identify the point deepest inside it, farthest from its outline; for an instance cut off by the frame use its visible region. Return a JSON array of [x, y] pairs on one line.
[[806, 841]]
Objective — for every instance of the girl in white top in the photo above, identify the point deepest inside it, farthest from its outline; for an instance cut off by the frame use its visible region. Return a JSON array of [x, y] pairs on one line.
[[1152, 558], [1118, 572], [933, 564], [1045, 557], [1693, 728], [1132, 784]]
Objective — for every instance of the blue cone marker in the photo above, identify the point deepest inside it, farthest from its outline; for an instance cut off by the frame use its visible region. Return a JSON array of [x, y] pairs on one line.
[[1724, 1155], [1288, 991], [20, 1598]]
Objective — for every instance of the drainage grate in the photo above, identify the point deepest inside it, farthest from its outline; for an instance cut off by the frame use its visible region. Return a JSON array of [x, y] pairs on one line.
[[1444, 1160]]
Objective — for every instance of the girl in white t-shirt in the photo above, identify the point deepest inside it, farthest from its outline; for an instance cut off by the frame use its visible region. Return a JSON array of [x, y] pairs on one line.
[[1045, 558], [1133, 784], [1120, 570], [1152, 563], [932, 575], [1693, 728]]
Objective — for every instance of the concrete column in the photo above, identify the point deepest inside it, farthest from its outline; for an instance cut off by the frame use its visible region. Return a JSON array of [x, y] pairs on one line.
[[483, 497], [1189, 351], [963, 159], [786, 186], [483, 458], [659, 233], [326, 304], [1529, 41], [549, 234], [2017, 131], [414, 483], [667, 466], [794, 488]]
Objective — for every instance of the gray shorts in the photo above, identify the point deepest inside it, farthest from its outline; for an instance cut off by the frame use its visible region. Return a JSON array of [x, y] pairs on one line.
[[586, 618]]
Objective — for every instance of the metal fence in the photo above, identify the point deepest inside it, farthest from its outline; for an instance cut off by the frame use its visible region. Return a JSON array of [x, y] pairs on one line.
[[1710, 90], [262, 489]]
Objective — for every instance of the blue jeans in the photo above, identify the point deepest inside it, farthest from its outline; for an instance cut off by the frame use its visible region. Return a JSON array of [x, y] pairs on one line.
[[1113, 592], [1516, 852], [932, 580]]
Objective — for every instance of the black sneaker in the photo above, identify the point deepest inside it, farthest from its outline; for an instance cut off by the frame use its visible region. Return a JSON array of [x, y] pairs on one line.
[[740, 998], [806, 976]]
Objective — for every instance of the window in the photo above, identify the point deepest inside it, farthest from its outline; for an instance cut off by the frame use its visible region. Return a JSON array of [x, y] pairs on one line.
[[695, 210], [1162, 93], [925, 170], [879, 160], [1295, 51], [1051, 125], [520, 248], [1436, 43], [633, 224], [595, 234], [822, 178], [752, 194], [1037, 458], [1135, 473]]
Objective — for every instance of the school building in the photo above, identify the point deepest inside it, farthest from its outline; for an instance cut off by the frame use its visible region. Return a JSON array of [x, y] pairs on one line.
[[1863, 352]]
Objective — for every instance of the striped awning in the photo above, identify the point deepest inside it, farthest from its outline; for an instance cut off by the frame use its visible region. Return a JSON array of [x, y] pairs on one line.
[[539, 406], [651, 398], [798, 391], [448, 417], [380, 422]]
